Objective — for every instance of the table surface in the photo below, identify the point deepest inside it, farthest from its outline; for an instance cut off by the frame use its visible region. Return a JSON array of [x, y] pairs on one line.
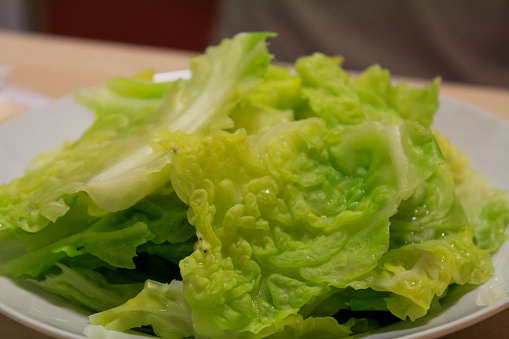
[[55, 66]]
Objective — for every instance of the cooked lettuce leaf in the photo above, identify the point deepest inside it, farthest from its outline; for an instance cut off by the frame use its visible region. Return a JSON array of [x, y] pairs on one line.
[[112, 237], [40, 197], [341, 99], [307, 208], [162, 306], [114, 161], [88, 288], [276, 99], [487, 209], [416, 273], [432, 212]]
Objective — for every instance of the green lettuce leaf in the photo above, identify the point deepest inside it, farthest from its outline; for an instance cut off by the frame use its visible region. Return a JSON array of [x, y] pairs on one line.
[[113, 238], [322, 327], [432, 212], [114, 161], [487, 209], [162, 306], [88, 288], [415, 274], [340, 98], [274, 100], [283, 217]]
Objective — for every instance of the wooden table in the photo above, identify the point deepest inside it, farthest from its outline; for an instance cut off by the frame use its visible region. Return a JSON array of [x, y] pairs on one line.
[[54, 67]]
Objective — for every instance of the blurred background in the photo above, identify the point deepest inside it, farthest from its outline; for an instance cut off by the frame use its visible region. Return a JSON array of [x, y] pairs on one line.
[[182, 24], [460, 40]]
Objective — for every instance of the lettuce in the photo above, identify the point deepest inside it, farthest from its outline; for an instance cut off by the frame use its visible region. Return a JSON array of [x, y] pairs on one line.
[[340, 99], [487, 209], [114, 161], [254, 201], [113, 237], [416, 273], [300, 214], [160, 305], [89, 288]]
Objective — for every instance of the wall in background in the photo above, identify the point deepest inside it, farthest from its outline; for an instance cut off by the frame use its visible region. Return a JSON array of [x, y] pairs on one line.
[[183, 24]]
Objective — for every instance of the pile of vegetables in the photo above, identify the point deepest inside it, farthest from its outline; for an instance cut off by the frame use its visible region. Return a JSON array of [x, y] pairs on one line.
[[253, 201]]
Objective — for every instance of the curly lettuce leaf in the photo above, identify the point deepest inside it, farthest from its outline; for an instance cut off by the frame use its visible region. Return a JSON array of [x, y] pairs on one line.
[[114, 161], [113, 238], [274, 100], [283, 217], [88, 288], [320, 327], [487, 209], [340, 98], [415, 274], [162, 306], [432, 212], [41, 196]]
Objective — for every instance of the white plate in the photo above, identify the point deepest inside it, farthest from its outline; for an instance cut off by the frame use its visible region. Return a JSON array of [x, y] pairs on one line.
[[483, 136]]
